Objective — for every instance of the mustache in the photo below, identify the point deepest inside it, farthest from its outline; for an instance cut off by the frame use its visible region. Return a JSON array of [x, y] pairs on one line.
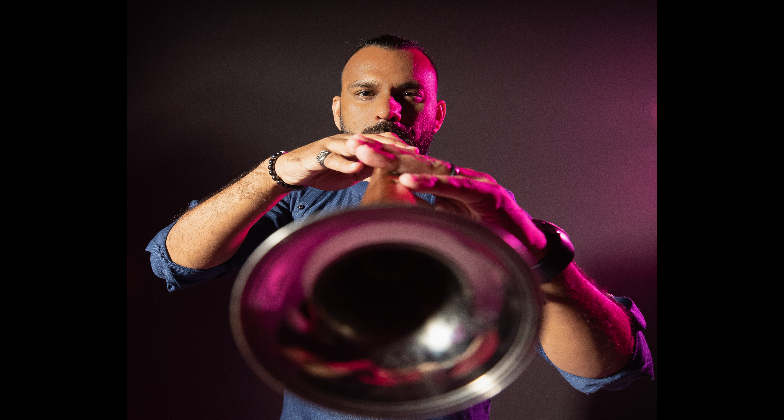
[[401, 131]]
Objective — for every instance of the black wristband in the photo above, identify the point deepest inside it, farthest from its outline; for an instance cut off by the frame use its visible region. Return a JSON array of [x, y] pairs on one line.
[[561, 251], [274, 174]]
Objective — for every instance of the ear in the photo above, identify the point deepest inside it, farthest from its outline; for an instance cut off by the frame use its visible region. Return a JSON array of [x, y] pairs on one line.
[[440, 114], [336, 111]]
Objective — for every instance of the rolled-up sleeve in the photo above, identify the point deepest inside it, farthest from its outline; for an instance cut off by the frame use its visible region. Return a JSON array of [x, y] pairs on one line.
[[639, 367], [179, 277]]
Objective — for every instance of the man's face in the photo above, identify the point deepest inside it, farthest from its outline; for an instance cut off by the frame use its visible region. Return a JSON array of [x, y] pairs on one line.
[[390, 90]]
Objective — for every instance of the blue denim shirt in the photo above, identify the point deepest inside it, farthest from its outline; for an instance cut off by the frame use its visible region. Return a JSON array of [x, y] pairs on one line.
[[298, 205]]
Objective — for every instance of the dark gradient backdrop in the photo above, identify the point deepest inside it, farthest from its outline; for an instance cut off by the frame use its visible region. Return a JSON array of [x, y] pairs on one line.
[[557, 101]]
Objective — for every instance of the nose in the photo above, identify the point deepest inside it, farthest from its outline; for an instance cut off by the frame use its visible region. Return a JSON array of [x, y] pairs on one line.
[[390, 110]]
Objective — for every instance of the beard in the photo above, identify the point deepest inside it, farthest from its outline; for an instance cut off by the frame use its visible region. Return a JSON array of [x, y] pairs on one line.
[[419, 136]]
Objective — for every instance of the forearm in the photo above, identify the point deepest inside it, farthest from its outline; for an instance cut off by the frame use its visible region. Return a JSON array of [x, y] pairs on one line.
[[210, 233], [584, 332]]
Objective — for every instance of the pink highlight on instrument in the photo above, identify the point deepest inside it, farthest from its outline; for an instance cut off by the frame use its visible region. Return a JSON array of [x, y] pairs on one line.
[[271, 296]]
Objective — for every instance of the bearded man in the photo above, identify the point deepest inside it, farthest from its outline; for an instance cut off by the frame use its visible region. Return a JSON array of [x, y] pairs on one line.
[[387, 113]]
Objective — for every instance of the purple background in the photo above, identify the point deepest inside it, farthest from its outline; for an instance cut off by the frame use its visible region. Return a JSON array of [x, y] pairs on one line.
[[556, 100]]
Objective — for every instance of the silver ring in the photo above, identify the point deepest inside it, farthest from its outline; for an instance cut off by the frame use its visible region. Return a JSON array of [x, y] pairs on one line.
[[455, 170], [321, 156]]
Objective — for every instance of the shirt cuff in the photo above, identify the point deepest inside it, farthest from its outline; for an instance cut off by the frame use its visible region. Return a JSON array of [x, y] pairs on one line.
[[640, 366]]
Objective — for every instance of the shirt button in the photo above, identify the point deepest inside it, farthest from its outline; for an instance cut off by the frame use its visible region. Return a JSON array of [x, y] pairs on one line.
[[301, 206]]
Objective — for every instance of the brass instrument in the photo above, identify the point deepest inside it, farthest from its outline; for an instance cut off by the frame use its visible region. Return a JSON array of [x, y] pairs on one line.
[[391, 309]]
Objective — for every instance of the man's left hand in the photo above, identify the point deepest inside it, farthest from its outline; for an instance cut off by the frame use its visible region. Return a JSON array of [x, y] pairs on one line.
[[471, 193]]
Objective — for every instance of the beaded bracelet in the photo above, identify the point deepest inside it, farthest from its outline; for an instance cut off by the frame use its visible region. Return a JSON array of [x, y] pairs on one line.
[[274, 174]]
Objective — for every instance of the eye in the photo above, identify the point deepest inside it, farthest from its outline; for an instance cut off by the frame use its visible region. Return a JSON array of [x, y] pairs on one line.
[[413, 96], [364, 94]]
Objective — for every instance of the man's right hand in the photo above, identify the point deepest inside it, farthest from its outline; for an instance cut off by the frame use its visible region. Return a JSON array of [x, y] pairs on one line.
[[211, 233], [343, 169]]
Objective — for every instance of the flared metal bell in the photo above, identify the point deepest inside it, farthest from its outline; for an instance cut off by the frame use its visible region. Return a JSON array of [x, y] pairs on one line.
[[388, 311]]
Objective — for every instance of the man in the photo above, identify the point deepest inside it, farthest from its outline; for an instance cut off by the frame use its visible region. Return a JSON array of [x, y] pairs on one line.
[[388, 113]]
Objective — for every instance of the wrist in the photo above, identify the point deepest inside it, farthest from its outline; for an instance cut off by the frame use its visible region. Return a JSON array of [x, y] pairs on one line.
[[559, 251], [273, 173]]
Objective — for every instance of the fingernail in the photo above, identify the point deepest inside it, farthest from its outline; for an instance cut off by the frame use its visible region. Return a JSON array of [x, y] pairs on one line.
[[423, 180]]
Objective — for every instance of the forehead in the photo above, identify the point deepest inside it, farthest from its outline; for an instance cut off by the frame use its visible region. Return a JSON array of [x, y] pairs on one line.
[[394, 67]]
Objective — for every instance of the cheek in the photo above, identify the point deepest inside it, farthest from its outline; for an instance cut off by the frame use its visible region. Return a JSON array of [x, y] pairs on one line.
[[426, 116], [356, 118]]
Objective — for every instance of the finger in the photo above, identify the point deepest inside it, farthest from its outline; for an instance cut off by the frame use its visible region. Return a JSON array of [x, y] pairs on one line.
[[473, 192], [470, 173], [342, 164], [481, 200], [387, 156], [475, 198], [339, 158], [342, 156], [469, 197], [478, 196], [393, 139], [371, 151]]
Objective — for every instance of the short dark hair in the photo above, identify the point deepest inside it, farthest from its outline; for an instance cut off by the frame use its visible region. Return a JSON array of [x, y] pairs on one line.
[[392, 42]]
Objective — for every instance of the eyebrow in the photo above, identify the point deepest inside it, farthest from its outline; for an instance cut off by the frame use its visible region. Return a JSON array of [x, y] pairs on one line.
[[410, 85], [361, 84], [368, 84]]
